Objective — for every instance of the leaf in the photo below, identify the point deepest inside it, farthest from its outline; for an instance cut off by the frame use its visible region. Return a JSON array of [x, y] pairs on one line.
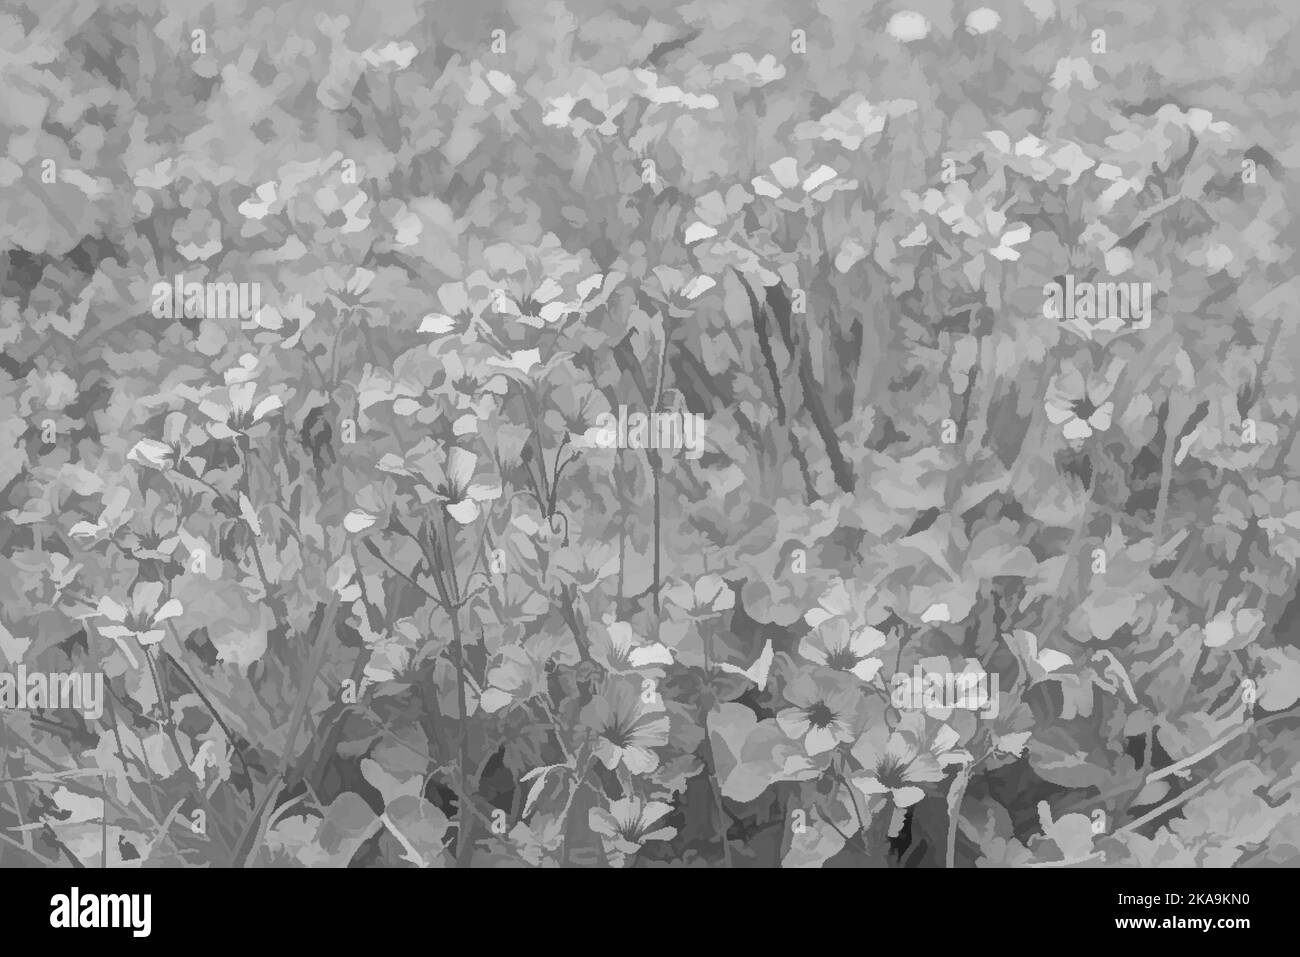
[[816, 842], [249, 514], [1056, 758], [420, 828], [348, 824], [390, 787], [1071, 833], [12, 649], [534, 792], [757, 672], [751, 755], [1279, 688], [1107, 610], [357, 520]]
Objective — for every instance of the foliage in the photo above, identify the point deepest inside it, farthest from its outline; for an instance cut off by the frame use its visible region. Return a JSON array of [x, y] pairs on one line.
[[365, 590]]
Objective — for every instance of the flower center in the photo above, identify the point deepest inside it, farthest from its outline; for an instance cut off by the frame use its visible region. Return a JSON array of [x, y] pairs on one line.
[[619, 730], [819, 715], [889, 771], [842, 659], [630, 831], [1084, 408], [615, 736]]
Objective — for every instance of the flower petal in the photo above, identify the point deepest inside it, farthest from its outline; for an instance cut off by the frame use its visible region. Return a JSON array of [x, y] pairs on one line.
[[219, 430], [460, 467], [145, 597], [869, 784], [463, 512], [1077, 429], [149, 452], [867, 668], [438, 323], [653, 811], [214, 411], [357, 520], [906, 797], [241, 396], [656, 654], [793, 722], [171, 609], [1058, 412], [111, 610], [808, 651], [608, 753], [819, 740], [494, 699], [602, 822], [483, 493], [266, 407], [640, 760]]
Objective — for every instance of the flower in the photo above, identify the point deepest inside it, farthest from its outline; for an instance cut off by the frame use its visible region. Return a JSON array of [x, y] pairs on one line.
[[837, 646], [785, 187], [471, 385], [676, 289], [455, 488], [515, 678], [893, 765], [142, 620], [351, 292], [236, 415], [1080, 408], [113, 517], [459, 309], [626, 728], [151, 452], [446, 678], [620, 650], [823, 712], [587, 566], [540, 284], [942, 743], [628, 823], [708, 595], [575, 405], [162, 537], [850, 600]]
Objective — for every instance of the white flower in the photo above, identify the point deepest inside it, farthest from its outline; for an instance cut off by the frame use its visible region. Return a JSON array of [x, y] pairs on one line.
[[455, 487], [142, 620], [237, 415], [150, 452], [833, 644], [1079, 407], [630, 822], [620, 650]]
